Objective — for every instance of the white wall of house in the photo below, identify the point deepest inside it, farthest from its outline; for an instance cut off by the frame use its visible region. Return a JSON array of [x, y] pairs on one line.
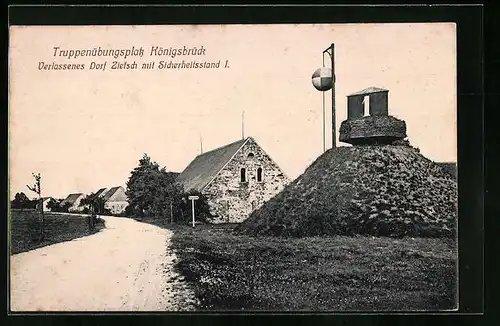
[[76, 205], [116, 207], [118, 202], [45, 207]]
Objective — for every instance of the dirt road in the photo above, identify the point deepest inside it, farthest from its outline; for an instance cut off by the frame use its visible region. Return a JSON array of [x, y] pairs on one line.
[[125, 267]]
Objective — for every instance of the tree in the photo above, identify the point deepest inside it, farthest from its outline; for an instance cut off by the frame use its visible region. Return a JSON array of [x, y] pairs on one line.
[[54, 205], [168, 194], [36, 188], [94, 203], [138, 190], [65, 207], [151, 191], [20, 201]]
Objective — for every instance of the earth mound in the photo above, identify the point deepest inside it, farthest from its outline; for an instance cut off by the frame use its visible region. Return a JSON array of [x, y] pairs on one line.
[[389, 190]]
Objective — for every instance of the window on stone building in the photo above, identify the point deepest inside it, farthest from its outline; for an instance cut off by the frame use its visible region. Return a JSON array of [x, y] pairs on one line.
[[259, 175], [243, 175]]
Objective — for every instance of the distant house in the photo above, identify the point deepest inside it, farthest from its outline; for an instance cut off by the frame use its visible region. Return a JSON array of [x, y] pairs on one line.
[[45, 203], [236, 179], [115, 199], [74, 201], [101, 192]]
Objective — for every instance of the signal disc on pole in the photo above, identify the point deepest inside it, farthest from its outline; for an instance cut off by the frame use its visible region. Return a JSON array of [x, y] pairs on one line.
[[322, 79]]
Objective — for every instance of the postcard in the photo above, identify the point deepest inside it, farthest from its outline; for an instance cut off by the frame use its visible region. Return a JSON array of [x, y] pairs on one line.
[[274, 167]]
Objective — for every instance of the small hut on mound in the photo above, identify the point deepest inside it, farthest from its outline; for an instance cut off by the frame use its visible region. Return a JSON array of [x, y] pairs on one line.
[[380, 186]]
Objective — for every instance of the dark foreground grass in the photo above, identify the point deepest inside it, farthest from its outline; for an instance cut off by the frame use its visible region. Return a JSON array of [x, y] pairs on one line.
[[25, 229], [236, 272]]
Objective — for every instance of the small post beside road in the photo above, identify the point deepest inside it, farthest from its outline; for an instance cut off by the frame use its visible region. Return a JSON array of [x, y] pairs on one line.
[[193, 198], [171, 214]]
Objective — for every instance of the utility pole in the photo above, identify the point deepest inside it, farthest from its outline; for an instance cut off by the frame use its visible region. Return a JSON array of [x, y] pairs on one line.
[[331, 52], [324, 114], [243, 124]]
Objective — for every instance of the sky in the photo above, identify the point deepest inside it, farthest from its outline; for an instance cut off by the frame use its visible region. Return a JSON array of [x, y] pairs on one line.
[[87, 129]]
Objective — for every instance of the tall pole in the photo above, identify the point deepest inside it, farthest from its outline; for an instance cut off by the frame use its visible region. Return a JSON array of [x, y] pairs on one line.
[[334, 140], [331, 52], [324, 114], [243, 124]]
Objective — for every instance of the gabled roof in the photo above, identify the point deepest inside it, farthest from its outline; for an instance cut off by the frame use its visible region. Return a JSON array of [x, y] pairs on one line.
[[369, 90], [200, 172], [100, 192], [72, 198], [110, 193]]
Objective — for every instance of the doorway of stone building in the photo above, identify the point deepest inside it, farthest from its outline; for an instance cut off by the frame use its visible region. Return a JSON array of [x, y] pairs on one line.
[[366, 106]]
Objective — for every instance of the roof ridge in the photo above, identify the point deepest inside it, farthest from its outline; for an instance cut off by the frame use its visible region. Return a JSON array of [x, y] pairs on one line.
[[204, 167], [223, 146], [369, 90]]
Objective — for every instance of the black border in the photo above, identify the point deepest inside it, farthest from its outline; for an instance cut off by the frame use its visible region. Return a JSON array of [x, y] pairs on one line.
[[470, 91]]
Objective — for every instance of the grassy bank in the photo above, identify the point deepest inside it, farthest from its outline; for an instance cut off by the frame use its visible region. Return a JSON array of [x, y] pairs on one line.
[[236, 272], [25, 229], [369, 190]]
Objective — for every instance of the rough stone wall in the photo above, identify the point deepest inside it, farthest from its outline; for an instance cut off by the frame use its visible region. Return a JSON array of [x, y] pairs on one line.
[[232, 201], [371, 128]]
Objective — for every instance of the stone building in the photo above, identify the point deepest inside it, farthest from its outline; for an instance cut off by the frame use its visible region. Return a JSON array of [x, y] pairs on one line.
[[236, 179]]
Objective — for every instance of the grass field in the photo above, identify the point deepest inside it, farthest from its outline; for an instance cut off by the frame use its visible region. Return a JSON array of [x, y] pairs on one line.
[[25, 229], [339, 273]]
